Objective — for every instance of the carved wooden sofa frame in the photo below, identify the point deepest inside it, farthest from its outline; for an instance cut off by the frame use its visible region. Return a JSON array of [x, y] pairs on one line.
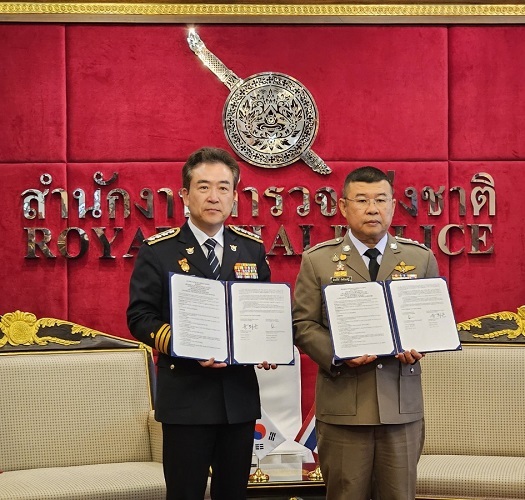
[[76, 412]]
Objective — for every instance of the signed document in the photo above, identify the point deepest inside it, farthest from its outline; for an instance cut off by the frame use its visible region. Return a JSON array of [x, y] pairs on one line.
[[385, 318], [236, 322]]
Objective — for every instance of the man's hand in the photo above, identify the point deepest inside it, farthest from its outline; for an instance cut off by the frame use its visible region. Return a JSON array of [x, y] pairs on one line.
[[410, 357], [210, 363], [266, 365], [360, 361]]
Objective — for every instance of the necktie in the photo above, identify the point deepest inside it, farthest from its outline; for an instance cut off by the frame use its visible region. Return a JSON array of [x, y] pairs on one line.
[[213, 261], [373, 265]]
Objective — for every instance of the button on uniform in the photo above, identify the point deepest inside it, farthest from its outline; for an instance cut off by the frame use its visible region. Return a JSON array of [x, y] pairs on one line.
[[380, 366]]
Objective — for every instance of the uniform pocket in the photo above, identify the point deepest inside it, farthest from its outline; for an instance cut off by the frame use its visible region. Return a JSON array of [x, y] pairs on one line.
[[410, 390], [338, 395]]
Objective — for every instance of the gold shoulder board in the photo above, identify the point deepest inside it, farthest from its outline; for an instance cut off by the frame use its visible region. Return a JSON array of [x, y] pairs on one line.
[[164, 235], [244, 232]]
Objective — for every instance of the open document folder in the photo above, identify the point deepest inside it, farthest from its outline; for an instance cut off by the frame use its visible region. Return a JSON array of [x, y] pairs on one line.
[[388, 317], [236, 322]]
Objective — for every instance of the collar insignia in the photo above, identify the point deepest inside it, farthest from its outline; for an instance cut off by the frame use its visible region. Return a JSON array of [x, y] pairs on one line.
[[190, 251], [183, 263]]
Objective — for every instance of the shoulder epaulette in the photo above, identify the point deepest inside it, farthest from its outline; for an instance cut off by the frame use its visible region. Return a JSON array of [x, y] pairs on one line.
[[411, 242], [244, 232], [164, 235], [327, 243]]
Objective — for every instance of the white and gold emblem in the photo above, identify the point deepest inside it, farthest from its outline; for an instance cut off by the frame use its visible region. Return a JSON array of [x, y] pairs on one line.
[[270, 119]]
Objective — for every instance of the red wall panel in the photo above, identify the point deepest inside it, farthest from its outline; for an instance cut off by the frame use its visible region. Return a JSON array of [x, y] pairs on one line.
[[32, 90], [139, 92], [38, 285], [487, 113], [492, 282], [435, 105]]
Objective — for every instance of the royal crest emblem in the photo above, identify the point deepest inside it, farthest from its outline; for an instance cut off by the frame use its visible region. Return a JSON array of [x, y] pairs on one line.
[[270, 119]]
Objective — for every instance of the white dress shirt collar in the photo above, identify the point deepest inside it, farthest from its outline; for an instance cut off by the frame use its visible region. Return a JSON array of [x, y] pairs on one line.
[[201, 237], [362, 248]]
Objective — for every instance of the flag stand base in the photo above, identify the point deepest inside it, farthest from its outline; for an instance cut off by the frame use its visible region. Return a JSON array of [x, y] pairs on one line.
[[258, 476], [316, 474]]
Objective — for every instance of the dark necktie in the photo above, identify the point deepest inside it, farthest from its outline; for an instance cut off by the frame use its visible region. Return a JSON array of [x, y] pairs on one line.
[[213, 261], [373, 265]]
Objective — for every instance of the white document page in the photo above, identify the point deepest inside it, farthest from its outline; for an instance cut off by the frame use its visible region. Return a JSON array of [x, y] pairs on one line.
[[358, 319], [424, 315], [261, 323], [198, 318]]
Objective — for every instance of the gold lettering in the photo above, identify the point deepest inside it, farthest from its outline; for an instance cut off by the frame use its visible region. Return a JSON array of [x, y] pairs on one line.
[[477, 238], [32, 242], [282, 236], [443, 236]]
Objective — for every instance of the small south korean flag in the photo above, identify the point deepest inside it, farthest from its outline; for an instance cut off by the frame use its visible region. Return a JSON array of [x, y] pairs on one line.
[[266, 437]]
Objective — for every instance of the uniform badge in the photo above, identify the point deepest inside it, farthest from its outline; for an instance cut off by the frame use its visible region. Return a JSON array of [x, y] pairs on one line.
[[246, 271], [233, 248], [404, 272], [342, 257], [340, 266], [341, 279], [346, 248], [190, 250], [335, 258], [183, 263]]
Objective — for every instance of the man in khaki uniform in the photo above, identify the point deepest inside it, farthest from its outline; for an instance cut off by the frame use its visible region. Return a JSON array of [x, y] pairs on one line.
[[369, 410]]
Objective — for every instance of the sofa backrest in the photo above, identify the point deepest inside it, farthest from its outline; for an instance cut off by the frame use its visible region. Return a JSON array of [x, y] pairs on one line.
[[74, 408], [475, 401]]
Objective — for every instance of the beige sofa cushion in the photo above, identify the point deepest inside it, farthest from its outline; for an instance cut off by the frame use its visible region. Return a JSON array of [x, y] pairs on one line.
[[74, 408], [474, 407], [122, 481], [460, 476], [475, 401]]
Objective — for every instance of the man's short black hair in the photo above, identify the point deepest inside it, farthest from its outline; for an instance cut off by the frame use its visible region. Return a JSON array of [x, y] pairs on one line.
[[366, 174], [209, 155]]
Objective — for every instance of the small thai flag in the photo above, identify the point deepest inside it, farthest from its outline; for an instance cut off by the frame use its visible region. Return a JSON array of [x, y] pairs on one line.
[[306, 435]]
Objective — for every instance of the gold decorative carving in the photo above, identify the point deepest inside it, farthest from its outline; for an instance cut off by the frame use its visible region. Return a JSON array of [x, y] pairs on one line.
[[316, 474], [339, 11], [258, 477], [518, 318], [22, 328]]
